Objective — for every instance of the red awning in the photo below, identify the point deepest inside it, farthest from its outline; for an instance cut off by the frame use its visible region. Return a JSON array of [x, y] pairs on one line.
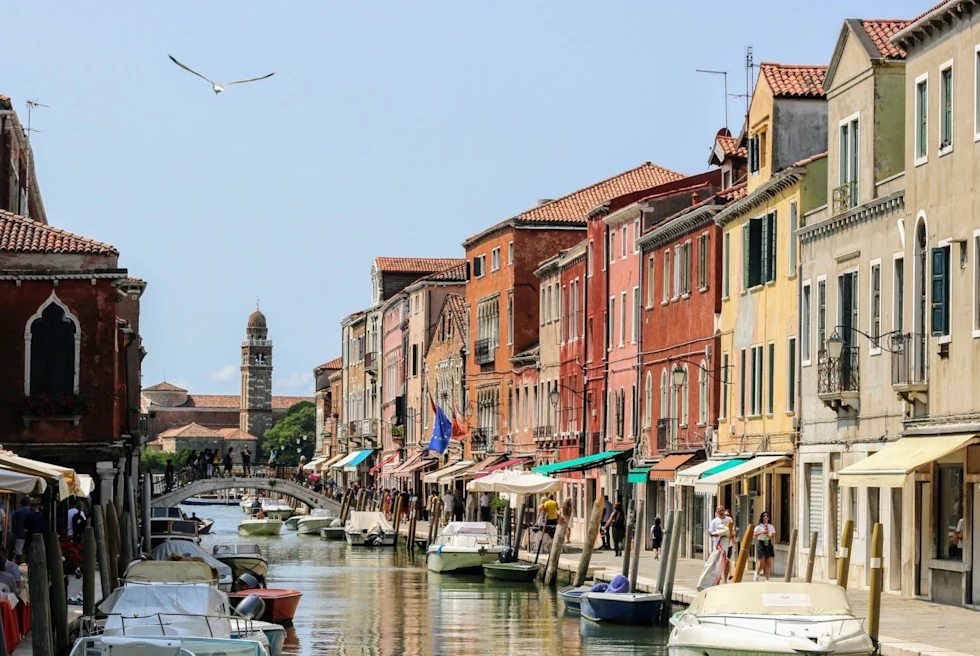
[[502, 465], [414, 465], [667, 468], [377, 467]]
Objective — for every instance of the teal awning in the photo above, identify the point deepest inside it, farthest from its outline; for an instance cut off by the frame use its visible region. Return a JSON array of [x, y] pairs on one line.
[[359, 457], [717, 469], [579, 464], [638, 475]]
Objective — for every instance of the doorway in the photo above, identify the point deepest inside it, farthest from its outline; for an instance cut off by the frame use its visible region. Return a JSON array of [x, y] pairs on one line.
[[923, 512], [698, 536], [895, 538]]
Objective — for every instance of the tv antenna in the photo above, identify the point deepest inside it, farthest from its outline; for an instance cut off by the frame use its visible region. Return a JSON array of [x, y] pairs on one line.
[[724, 74], [32, 104]]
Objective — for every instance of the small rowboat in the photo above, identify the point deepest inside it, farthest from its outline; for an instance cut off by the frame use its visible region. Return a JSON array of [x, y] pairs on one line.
[[260, 527], [511, 571], [571, 596]]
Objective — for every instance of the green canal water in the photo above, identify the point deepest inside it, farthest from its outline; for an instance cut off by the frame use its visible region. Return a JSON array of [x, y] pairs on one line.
[[362, 601]]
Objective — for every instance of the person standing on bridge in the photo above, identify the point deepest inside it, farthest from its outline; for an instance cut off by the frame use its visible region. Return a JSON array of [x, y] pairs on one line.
[[247, 462], [228, 462]]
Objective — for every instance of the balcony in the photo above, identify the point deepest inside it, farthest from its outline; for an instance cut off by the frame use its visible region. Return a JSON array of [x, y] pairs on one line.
[[838, 382], [910, 367], [363, 428], [544, 433], [371, 362], [484, 351], [480, 440], [845, 197]]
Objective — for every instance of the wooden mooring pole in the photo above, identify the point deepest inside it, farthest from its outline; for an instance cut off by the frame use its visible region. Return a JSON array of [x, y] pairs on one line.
[[874, 594], [102, 553], [844, 559], [397, 519], [637, 545], [665, 551], [595, 521], [791, 558], [42, 640], [88, 572], [415, 504], [630, 520], [671, 565], [743, 556], [59, 593], [147, 503], [811, 557], [558, 542]]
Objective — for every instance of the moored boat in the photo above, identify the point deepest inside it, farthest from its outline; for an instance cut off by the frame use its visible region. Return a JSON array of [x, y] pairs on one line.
[[260, 526], [182, 550], [571, 596], [243, 558], [312, 523], [621, 607], [769, 619], [369, 529], [277, 509], [333, 532], [511, 571], [280, 603], [292, 523], [463, 546]]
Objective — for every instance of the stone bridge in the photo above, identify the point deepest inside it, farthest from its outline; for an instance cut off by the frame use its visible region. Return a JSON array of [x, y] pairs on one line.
[[212, 485]]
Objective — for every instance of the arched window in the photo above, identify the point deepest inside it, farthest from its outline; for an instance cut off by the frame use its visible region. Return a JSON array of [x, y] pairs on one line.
[[52, 341], [685, 397], [664, 408], [648, 402], [702, 394]]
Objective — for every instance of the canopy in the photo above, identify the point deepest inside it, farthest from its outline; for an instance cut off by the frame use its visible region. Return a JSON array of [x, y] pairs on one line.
[[667, 468], [890, 466], [171, 571], [359, 457], [512, 482], [772, 598], [408, 462], [409, 468], [377, 467], [717, 476], [691, 474], [579, 464], [435, 476], [188, 549], [340, 464], [68, 481], [326, 463], [501, 465], [314, 465], [12, 481], [638, 475]]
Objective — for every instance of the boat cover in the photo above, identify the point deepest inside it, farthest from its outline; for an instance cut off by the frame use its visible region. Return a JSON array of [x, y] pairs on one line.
[[773, 598], [188, 549], [370, 522], [599, 587], [169, 571], [470, 528], [618, 585], [163, 609]]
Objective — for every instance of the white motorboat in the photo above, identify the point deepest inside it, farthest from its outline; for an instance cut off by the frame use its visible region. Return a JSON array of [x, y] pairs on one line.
[[463, 546], [369, 529], [178, 550], [769, 619], [242, 558], [277, 509], [260, 526], [312, 523]]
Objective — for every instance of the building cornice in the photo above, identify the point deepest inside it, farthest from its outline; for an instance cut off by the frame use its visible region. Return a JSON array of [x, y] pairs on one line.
[[628, 213], [869, 211], [515, 224], [678, 226], [927, 25], [104, 274], [765, 192]]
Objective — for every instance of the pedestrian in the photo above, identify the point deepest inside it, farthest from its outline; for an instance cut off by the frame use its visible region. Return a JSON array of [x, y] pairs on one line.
[[247, 462], [448, 500], [301, 469], [485, 507], [10, 573], [764, 533], [730, 551], [228, 462], [457, 507], [76, 519], [617, 524], [273, 461], [35, 524], [607, 509], [19, 521], [657, 537], [550, 509], [216, 461], [406, 502], [192, 464], [168, 474], [718, 530]]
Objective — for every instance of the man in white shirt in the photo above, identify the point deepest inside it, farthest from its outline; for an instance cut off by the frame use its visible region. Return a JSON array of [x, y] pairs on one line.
[[72, 511], [447, 505], [718, 530], [485, 507]]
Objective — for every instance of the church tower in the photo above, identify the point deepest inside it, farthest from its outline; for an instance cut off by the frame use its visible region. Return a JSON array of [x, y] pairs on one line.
[[256, 403]]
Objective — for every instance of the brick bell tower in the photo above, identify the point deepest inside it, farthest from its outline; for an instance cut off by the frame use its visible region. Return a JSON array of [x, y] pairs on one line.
[[256, 404]]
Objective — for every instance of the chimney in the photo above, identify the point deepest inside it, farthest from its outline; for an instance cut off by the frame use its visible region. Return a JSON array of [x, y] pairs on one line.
[[694, 198], [544, 201]]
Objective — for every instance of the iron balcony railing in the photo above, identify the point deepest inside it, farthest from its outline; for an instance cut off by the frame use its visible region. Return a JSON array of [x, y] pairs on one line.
[[838, 375], [845, 197], [480, 440], [484, 351], [370, 361], [542, 433], [363, 428], [910, 359]]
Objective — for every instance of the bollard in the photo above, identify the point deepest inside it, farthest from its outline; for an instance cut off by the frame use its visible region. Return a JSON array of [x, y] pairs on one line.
[[665, 551], [101, 551], [743, 556], [434, 513], [630, 521], [791, 559], [345, 506], [88, 572], [844, 558], [413, 518], [874, 594], [671, 565], [595, 520], [559, 541], [37, 580], [147, 503], [397, 518], [637, 545], [811, 557], [59, 595]]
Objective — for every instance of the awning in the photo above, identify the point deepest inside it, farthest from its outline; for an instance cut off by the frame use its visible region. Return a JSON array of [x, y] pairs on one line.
[[12, 481], [359, 457], [890, 466], [446, 471], [579, 464], [411, 460], [411, 467], [328, 462], [377, 467], [502, 465], [68, 482], [690, 475], [639, 475], [722, 466], [340, 464], [714, 477], [314, 465], [667, 468]]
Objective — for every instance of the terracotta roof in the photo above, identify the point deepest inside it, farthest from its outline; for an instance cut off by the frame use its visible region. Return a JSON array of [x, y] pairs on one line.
[[812, 158], [456, 308], [881, 32], [734, 193], [930, 10], [730, 147], [415, 264], [164, 387], [22, 235], [235, 434], [795, 81], [286, 402], [191, 430], [213, 401], [455, 273], [336, 363]]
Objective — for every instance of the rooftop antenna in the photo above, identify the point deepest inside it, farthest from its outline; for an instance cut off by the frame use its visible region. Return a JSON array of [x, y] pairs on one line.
[[32, 104], [724, 74]]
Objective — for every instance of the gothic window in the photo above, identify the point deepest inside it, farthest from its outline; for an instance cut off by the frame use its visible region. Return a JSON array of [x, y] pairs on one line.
[[52, 341]]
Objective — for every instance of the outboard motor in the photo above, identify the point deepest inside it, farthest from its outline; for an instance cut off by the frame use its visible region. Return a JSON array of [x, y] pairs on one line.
[[251, 607], [508, 555], [246, 582]]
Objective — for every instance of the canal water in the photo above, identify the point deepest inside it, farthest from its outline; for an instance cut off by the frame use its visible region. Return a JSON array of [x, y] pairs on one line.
[[364, 601]]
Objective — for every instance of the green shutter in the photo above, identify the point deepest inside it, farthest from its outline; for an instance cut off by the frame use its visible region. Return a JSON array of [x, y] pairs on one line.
[[940, 291], [763, 274], [772, 246], [745, 256]]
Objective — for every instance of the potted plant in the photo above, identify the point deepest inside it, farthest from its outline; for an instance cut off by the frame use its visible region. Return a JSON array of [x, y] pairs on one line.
[[51, 406], [397, 431]]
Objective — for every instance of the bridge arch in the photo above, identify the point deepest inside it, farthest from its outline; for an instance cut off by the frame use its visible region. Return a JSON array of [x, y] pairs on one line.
[[212, 485]]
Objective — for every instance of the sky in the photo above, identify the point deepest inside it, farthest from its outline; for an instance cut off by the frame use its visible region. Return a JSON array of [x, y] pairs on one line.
[[389, 129]]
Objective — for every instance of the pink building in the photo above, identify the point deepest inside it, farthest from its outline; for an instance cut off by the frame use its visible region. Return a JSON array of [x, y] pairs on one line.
[[393, 324]]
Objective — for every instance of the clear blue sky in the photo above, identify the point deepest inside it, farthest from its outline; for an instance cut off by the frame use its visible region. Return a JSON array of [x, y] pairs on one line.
[[390, 128]]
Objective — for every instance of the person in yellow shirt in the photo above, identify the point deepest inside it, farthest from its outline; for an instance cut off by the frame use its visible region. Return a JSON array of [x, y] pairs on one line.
[[550, 510]]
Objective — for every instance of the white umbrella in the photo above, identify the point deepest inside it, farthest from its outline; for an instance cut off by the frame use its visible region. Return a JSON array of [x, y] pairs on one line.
[[512, 482], [11, 481]]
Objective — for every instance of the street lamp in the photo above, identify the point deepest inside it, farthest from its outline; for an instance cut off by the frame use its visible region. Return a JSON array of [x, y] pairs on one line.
[[835, 346], [679, 376]]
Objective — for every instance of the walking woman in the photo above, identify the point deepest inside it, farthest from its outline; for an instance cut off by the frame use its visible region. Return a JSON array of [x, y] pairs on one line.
[[764, 533], [657, 538], [617, 521]]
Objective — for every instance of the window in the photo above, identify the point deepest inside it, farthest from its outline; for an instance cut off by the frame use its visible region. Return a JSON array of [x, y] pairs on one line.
[[543, 312], [622, 242], [685, 268], [794, 220], [898, 294], [510, 252], [685, 398], [555, 297], [605, 248], [755, 382], [588, 259], [813, 488], [724, 386], [805, 321], [949, 517], [611, 323], [759, 251], [562, 318], [946, 108], [940, 291], [703, 262], [849, 163], [791, 375], [415, 360], [510, 317], [648, 402], [666, 275], [821, 314], [976, 93], [636, 236], [702, 395], [495, 259], [771, 383], [612, 246], [664, 409], [847, 306], [635, 332], [53, 338], [754, 163], [651, 274], [727, 262], [622, 321], [875, 328], [479, 265], [921, 119], [741, 385]]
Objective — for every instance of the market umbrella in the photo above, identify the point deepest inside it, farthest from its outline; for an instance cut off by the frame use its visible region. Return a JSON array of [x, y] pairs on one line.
[[12, 481], [512, 482]]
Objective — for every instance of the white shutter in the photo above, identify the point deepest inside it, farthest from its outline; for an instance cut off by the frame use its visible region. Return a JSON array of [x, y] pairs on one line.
[[814, 482]]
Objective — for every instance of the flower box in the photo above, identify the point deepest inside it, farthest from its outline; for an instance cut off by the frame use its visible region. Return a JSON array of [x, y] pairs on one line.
[[51, 406]]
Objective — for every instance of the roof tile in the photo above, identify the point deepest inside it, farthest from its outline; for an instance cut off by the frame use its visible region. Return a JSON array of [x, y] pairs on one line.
[[191, 430], [416, 264], [795, 81], [19, 234], [729, 145], [336, 363], [164, 387], [881, 32]]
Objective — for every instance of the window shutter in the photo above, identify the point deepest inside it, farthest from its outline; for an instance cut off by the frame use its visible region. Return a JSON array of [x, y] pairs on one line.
[[745, 256], [763, 273], [940, 288], [772, 246]]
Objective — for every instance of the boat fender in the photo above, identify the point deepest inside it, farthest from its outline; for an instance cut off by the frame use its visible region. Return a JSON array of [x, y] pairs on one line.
[[482, 551], [439, 550]]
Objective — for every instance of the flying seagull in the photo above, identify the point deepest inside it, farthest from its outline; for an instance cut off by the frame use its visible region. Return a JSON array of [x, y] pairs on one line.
[[218, 88]]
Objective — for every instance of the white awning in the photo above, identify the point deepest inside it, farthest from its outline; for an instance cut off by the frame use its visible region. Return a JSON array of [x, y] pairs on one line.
[[446, 471], [690, 475], [891, 466], [343, 461], [11, 481], [710, 484]]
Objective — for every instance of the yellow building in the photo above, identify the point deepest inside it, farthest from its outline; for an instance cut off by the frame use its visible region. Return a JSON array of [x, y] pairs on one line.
[[751, 468]]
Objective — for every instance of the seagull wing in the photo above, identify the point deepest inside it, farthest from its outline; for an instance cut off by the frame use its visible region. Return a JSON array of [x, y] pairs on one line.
[[253, 79], [190, 70]]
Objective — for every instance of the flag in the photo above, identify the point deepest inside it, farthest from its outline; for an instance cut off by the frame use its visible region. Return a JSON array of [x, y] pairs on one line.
[[460, 425], [442, 429]]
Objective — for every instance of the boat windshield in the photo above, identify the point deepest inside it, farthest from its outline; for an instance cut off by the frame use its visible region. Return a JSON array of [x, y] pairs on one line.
[[240, 549], [469, 528], [171, 512], [99, 645]]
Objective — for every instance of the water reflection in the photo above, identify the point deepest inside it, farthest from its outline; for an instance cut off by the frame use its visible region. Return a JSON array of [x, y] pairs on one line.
[[365, 602]]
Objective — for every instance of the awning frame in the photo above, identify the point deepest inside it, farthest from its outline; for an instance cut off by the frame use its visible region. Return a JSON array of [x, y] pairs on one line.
[[709, 485], [581, 464]]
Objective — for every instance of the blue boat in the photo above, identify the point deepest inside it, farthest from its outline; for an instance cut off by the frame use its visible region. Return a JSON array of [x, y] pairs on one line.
[[621, 607], [571, 596]]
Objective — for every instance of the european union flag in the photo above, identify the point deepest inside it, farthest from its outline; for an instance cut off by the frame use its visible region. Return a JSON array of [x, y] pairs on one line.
[[441, 431]]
